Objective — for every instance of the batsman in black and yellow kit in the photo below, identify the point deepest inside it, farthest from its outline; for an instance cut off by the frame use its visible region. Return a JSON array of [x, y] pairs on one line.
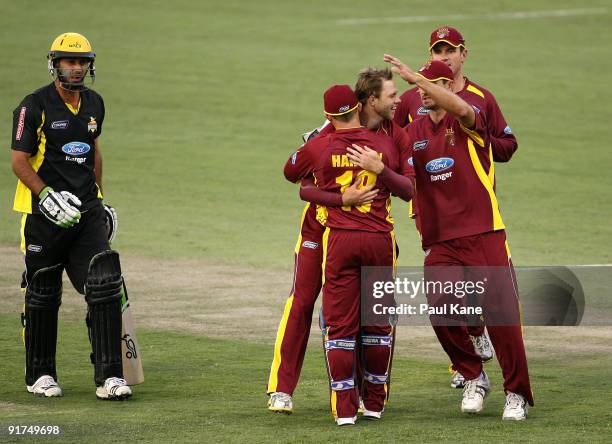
[[64, 224]]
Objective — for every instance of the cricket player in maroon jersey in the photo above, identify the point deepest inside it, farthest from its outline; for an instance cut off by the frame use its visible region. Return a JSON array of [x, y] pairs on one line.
[[354, 237], [377, 92], [294, 328], [378, 95], [447, 45], [462, 226]]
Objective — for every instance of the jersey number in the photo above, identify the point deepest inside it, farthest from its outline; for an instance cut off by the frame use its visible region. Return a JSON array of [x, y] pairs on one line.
[[364, 179]]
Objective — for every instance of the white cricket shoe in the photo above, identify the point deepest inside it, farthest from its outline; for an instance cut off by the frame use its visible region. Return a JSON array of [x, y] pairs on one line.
[[515, 408], [280, 402], [45, 386], [474, 394], [373, 416], [457, 380], [483, 346], [114, 388], [346, 421]]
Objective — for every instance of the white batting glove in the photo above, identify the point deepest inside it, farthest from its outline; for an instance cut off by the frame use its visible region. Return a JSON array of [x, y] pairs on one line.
[[61, 208], [313, 133]]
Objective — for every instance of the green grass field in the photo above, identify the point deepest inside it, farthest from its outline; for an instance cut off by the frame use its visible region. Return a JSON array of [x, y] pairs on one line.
[[205, 101], [206, 390]]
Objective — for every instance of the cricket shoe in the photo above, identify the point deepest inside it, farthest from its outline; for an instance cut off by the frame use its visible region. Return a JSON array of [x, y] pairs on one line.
[[346, 421], [457, 380], [280, 402], [45, 386], [114, 389], [482, 346], [372, 416], [474, 394], [515, 408]]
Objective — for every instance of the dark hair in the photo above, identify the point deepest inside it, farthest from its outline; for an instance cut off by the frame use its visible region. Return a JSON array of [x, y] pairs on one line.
[[370, 81]]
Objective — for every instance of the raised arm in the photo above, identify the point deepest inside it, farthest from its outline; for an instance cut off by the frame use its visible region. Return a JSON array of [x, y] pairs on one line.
[[443, 97]]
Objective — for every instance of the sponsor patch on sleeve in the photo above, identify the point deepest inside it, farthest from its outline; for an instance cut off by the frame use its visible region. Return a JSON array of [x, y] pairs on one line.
[[20, 123], [507, 130], [294, 158]]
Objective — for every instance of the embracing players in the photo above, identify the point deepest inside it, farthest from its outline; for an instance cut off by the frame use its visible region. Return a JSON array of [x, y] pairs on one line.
[[354, 237], [377, 93]]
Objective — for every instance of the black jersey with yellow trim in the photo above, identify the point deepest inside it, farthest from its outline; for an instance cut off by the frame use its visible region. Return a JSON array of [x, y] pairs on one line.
[[61, 142]]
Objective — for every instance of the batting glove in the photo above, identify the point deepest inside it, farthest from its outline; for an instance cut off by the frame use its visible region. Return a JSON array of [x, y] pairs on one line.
[[314, 133], [112, 223], [60, 208]]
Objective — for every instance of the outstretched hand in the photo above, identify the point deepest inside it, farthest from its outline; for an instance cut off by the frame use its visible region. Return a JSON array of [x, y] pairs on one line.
[[355, 196], [401, 69], [366, 158]]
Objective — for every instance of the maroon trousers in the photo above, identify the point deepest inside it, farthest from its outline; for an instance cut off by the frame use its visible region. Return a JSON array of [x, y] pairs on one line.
[[344, 253], [482, 250], [294, 328]]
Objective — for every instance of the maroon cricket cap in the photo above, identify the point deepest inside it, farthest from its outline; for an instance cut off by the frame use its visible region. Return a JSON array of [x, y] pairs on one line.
[[448, 35], [339, 99], [435, 70]]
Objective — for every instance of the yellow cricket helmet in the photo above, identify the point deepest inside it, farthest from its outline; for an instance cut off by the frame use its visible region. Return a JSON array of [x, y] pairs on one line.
[[71, 45]]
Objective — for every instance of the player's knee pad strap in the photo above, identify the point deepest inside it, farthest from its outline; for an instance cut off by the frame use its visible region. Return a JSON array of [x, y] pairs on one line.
[[340, 344], [103, 294], [376, 340], [375, 379], [43, 297], [344, 384]]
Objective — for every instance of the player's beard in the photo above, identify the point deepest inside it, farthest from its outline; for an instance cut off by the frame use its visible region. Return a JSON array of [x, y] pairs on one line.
[[386, 112], [67, 75]]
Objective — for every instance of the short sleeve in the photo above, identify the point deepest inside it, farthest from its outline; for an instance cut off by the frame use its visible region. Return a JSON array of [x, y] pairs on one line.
[[101, 119], [479, 132], [299, 164], [27, 120]]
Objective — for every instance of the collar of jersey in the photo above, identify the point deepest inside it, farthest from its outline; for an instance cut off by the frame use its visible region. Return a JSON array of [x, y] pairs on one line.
[[73, 110]]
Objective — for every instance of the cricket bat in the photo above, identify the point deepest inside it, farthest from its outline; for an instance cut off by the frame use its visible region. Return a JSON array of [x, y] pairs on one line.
[[130, 350]]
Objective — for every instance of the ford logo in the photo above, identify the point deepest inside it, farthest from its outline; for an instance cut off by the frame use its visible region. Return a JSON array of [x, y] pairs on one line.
[[439, 164], [76, 148]]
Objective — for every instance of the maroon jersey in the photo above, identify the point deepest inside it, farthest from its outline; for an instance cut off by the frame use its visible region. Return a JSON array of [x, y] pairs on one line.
[[455, 177], [326, 157], [503, 142], [400, 139], [410, 108]]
